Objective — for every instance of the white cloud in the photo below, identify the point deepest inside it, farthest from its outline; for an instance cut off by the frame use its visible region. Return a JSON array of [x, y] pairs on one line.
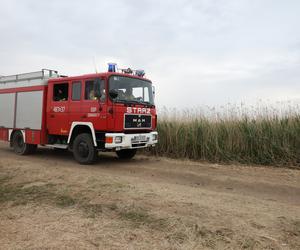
[[196, 52]]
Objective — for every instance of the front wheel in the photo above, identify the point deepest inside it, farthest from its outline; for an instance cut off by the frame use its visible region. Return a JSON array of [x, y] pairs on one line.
[[126, 153], [83, 149]]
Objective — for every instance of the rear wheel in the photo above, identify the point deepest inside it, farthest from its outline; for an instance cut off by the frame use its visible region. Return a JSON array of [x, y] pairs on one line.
[[126, 153], [20, 147], [83, 149]]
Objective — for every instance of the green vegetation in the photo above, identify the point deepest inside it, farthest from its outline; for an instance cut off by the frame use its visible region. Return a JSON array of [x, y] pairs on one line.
[[261, 139]]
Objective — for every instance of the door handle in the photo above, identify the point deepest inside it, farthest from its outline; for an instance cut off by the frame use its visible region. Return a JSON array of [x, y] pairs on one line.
[[52, 116], [84, 116]]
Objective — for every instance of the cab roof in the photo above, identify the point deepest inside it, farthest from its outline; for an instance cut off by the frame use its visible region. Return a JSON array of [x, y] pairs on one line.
[[95, 75]]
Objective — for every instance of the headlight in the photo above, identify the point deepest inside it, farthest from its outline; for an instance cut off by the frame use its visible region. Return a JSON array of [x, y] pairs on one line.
[[154, 137], [118, 139]]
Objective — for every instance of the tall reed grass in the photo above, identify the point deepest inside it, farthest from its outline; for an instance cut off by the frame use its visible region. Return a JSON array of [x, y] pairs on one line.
[[264, 136]]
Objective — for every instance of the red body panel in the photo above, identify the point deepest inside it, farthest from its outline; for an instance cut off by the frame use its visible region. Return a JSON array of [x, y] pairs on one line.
[[4, 134], [33, 136], [23, 89], [58, 116]]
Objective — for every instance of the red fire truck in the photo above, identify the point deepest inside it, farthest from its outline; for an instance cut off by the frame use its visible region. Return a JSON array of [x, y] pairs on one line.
[[111, 111]]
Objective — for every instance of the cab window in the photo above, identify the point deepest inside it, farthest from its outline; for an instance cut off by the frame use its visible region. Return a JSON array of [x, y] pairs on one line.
[[76, 91], [60, 92], [89, 93]]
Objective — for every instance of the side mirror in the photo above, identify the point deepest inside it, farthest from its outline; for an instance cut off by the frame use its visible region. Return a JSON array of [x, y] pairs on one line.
[[153, 92], [97, 90], [113, 93]]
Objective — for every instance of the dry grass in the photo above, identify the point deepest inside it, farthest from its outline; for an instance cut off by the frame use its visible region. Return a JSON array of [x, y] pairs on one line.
[[145, 204], [25, 193], [270, 137]]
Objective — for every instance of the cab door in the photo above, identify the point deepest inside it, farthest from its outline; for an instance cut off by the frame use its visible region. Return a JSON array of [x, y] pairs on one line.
[[94, 108], [58, 109]]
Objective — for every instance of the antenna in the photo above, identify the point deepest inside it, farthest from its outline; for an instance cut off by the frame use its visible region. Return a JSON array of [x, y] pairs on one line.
[[94, 61]]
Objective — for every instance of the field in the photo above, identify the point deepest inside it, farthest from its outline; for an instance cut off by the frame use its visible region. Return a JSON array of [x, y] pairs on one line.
[[47, 201], [261, 135]]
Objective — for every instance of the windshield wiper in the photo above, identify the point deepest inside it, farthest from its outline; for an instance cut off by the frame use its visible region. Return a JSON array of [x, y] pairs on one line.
[[147, 103], [127, 101], [133, 101]]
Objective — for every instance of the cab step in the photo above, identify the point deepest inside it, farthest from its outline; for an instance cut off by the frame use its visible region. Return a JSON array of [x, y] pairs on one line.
[[61, 146]]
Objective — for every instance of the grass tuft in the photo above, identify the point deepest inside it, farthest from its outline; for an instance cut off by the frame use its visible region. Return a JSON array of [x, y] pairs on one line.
[[140, 217], [92, 210], [19, 194], [64, 200]]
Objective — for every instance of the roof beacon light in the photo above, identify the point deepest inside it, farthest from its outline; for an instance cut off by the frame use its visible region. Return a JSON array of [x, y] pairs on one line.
[[112, 67], [140, 72], [127, 71]]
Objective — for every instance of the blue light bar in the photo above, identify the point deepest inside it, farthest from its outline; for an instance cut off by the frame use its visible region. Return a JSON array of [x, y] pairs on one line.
[[112, 67]]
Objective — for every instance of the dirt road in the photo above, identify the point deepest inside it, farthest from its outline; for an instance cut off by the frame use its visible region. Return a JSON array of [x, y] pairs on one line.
[[47, 201]]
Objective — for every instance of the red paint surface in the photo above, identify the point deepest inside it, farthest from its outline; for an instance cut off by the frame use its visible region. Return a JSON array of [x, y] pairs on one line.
[[4, 134]]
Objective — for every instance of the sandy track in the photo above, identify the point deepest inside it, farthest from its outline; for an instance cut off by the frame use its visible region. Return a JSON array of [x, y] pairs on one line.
[[48, 201]]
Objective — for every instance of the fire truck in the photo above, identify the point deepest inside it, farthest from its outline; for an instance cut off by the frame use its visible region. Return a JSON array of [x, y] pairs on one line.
[[110, 111]]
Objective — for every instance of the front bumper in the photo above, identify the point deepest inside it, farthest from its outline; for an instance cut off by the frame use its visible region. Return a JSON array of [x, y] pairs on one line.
[[130, 141]]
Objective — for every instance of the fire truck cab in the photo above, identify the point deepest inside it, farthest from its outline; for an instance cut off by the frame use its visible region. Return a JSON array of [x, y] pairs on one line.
[[110, 111]]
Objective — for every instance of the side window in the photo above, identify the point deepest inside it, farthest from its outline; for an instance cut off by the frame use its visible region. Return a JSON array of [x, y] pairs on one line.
[[102, 91], [76, 91], [89, 93], [60, 92]]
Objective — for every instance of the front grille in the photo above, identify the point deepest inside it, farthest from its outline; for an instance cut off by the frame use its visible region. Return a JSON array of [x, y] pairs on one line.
[[132, 121]]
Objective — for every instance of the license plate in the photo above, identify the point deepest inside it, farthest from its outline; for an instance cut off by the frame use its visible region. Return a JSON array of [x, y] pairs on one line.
[[138, 138]]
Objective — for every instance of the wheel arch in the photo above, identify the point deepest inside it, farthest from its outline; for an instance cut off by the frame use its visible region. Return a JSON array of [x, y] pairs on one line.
[[81, 127]]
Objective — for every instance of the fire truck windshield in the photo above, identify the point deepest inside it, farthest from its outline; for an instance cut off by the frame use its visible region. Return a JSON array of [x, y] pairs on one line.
[[131, 90]]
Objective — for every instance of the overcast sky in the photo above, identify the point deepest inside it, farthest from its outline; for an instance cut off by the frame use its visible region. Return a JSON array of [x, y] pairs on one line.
[[197, 52]]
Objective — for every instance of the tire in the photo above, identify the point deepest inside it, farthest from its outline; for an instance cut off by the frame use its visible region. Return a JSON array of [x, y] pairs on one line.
[[126, 153], [20, 147], [83, 149]]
